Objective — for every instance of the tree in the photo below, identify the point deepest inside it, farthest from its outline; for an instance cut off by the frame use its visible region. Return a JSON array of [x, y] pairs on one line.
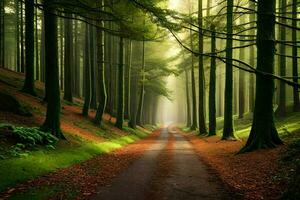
[[281, 111], [142, 90], [194, 98], [101, 72], [212, 87], [52, 121], [87, 73], [296, 106], [228, 115], [37, 66], [68, 75], [188, 104], [201, 113], [263, 132], [22, 38], [241, 86], [120, 111], [2, 33], [29, 46], [17, 10]]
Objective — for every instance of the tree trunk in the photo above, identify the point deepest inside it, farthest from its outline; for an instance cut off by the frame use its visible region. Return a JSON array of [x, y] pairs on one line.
[[241, 86], [68, 73], [76, 79], [93, 69], [296, 106], [194, 96], [22, 39], [228, 115], [188, 105], [142, 91], [29, 46], [201, 112], [263, 133], [101, 73], [87, 73], [61, 54], [212, 87], [281, 110], [17, 8], [133, 98], [120, 111], [52, 121], [2, 34], [37, 62], [42, 53], [128, 78], [252, 61]]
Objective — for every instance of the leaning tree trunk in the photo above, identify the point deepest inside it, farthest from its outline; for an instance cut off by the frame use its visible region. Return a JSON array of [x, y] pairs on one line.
[[52, 121], [68, 78], [29, 46], [228, 115], [263, 133], [281, 111], [101, 73], [296, 106], [212, 87], [201, 112]]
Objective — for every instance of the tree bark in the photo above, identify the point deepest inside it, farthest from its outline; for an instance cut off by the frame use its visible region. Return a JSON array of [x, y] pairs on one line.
[[296, 106], [263, 132], [29, 46], [252, 61], [241, 87], [52, 121], [87, 73], [212, 87], [101, 73], [120, 111], [201, 108], [142, 90], [68, 73], [17, 9], [188, 103], [228, 115], [37, 58], [281, 110]]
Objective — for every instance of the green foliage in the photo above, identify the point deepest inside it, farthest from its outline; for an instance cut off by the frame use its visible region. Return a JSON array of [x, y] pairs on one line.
[[19, 169], [28, 137]]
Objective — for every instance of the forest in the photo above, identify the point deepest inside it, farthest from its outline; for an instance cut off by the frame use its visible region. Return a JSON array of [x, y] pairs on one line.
[[149, 99]]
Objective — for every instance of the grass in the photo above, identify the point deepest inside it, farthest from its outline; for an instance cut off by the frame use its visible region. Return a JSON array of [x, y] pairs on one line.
[[17, 170], [285, 126]]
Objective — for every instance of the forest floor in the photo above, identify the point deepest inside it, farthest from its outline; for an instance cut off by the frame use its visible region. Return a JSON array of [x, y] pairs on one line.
[[84, 139], [94, 163]]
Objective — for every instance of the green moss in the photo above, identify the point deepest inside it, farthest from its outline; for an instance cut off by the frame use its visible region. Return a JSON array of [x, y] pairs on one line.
[[17, 170]]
